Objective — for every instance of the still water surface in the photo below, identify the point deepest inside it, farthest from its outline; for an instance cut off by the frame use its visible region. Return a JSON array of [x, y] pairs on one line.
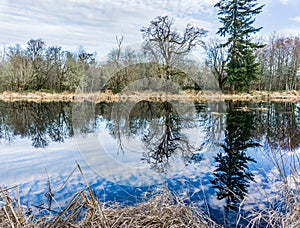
[[214, 155]]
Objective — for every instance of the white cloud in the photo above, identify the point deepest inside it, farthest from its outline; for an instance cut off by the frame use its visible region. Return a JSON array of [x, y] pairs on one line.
[[296, 19], [293, 31], [93, 23], [284, 2]]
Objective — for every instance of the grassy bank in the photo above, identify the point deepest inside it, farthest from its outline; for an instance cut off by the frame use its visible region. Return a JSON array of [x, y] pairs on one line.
[[84, 210], [160, 209], [202, 96]]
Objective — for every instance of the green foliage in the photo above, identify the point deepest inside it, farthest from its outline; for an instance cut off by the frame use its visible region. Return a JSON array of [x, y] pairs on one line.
[[38, 67], [237, 17], [147, 73]]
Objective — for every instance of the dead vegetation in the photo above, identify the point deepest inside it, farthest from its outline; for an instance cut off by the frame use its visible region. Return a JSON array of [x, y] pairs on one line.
[[84, 210], [35, 96], [282, 212], [283, 209], [202, 96], [161, 209]]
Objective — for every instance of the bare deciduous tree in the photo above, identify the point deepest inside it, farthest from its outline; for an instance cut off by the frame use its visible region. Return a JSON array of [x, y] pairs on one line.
[[166, 44], [216, 60], [280, 63]]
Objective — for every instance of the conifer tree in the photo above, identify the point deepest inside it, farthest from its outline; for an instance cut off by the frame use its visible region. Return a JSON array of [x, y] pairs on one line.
[[237, 17]]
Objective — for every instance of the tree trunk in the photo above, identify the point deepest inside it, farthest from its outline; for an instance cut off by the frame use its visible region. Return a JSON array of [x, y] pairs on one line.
[[232, 87]]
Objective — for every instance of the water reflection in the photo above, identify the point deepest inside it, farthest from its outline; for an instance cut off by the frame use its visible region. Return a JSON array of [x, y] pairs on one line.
[[159, 126], [164, 134], [232, 176], [279, 124], [41, 122]]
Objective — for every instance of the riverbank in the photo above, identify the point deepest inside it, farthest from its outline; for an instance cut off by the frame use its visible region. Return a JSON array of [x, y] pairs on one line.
[[84, 210], [202, 96], [162, 209]]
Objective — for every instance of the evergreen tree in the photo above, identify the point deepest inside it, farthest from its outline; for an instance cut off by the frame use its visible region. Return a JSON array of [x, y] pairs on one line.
[[237, 17]]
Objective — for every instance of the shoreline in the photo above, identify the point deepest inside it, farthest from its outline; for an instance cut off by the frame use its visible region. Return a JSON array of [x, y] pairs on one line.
[[202, 96]]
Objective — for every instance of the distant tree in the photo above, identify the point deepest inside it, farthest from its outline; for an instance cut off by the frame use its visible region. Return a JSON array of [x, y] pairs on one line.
[[115, 55], [216, 60], [167, 45], [280, 63], [237, 17], [73, 72], [55, 60], [17, 69], [83, 75], [36, 53], [115, 59]]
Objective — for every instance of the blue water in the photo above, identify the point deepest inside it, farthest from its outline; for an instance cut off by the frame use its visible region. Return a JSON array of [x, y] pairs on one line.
[[142, 148]]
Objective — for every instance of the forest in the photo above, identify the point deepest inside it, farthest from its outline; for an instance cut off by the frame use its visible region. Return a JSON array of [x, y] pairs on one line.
[[208, 134], [236, 60]]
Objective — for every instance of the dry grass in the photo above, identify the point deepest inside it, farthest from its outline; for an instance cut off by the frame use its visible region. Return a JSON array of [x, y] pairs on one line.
[[284, 213], [161, 209], [10, 215], [283, 208], [36, 96], [84, 210], [202, 96], [260, 96]]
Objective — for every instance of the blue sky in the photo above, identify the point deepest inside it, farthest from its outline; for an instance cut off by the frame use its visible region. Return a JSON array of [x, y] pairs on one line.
[[94, 24]]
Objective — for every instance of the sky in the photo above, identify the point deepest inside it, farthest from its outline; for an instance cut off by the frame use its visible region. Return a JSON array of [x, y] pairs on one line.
[[94, 24]]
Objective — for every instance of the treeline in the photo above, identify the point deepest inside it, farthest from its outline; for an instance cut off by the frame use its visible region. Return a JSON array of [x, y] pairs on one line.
[[236, 61], [162, 56], [41, 67], [278, 59], [279, 63]]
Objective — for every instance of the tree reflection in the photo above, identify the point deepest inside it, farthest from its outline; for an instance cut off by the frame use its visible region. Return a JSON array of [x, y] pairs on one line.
[[41, 122], [115, 116], [280, 123], [160, 127], [232, 176]]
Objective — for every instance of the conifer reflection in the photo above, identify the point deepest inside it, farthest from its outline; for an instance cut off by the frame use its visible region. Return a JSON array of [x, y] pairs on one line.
[[232, 176]]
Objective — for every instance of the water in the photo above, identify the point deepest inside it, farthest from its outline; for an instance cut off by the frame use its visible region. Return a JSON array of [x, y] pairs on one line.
[[214, 155]]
